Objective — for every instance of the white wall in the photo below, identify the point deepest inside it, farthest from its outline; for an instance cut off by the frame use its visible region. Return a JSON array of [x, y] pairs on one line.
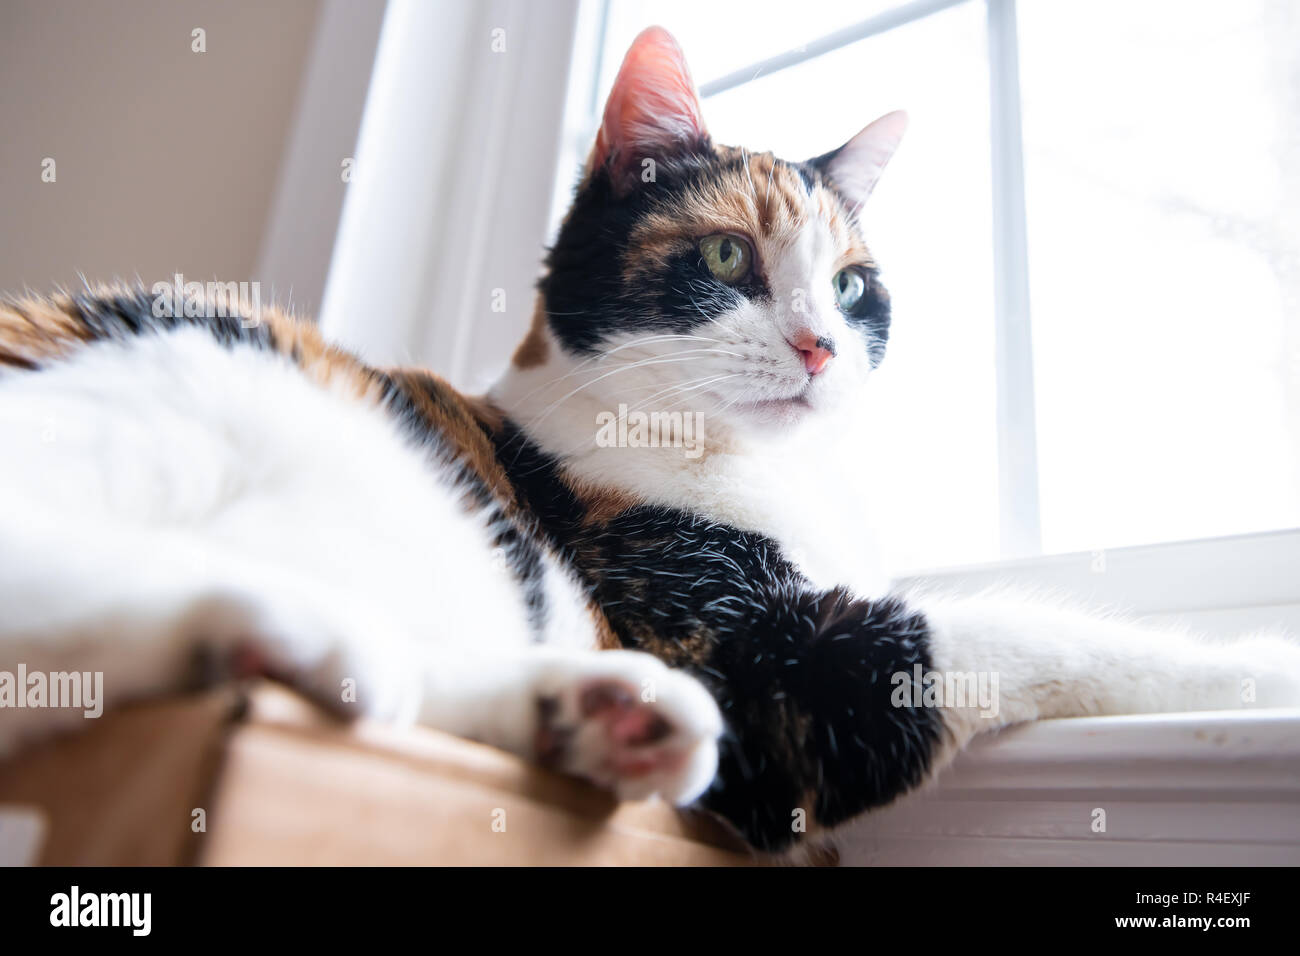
[[166, 159], [442, 231]]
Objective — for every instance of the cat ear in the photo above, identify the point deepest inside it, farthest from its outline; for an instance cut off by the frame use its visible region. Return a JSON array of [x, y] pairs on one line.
[[854, 168], [652, 112]]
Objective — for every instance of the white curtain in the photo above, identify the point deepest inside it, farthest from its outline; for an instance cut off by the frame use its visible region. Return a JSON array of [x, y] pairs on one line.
[[444, 221]]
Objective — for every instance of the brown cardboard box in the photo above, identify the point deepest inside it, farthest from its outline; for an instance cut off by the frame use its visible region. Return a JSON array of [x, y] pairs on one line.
[[228, 778]]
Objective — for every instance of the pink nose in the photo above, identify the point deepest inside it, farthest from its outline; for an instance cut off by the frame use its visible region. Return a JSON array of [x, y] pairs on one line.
[[817, 351]]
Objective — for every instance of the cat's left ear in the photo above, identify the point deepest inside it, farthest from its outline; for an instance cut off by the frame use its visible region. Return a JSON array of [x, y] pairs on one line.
[[854, 168], [652, 114]]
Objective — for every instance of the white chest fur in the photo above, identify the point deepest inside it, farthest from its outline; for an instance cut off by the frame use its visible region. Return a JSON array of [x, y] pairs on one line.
[[795, 490]]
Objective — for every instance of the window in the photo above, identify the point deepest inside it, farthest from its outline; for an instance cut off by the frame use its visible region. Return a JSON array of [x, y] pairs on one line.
[[1163, 193], [1089, 234]]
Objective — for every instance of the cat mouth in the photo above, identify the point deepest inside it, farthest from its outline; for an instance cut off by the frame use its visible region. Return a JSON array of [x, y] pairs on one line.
[[794, 402], [778, 410]]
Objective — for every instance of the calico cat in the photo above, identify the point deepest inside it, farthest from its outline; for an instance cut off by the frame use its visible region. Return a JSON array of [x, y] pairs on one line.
[[691, 613]]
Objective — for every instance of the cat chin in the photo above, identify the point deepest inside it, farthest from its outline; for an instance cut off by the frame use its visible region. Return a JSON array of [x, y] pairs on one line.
[[780, 414], [817, 406], [818, 400]]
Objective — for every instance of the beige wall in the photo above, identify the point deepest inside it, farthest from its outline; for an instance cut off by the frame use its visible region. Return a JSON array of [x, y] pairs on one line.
[[167, 160]]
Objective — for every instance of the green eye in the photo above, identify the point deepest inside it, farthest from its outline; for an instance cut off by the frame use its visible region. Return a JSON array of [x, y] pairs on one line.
[[727, 257], [848, 287]]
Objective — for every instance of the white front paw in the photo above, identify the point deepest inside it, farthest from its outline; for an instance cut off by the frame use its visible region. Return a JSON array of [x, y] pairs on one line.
[[625, 721]]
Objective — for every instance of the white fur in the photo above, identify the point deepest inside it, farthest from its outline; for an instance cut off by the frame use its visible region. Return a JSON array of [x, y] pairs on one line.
[[764, 469], [164, 494], [772, 471], [1054, 660]]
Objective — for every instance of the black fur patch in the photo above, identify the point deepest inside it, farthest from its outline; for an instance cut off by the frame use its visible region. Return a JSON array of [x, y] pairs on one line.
[[126, 314], [130, 313], [803, 677], [871, 316], [587, 294]]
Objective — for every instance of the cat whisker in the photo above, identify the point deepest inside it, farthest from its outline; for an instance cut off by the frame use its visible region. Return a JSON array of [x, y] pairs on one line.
[[744, 157], [627, 367], [618, 397], [693, 386], [663, 360], [691, 298], [689, 394], [597, 359], [684, 387]]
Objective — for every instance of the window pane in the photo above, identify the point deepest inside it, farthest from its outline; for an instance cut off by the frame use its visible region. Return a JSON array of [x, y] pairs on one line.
[[1162, 152], [926, 457], [721, 37]]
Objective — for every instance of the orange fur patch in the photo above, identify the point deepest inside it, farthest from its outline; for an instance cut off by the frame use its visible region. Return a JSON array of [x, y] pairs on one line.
[[764, 201], [35, 330], [326, 364], [602, 504], [533, 350]]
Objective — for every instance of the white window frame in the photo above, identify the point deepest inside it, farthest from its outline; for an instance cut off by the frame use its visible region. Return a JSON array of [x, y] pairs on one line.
[[1200, 789], [1191, 788], [1019, 530], [400, 297], [1241, 581]]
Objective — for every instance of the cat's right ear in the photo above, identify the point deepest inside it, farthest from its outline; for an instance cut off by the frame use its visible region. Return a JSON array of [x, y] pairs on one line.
[[652, 114], [855, 166]]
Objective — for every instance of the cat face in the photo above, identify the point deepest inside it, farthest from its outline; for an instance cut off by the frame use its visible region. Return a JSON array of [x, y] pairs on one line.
[[699, 277]]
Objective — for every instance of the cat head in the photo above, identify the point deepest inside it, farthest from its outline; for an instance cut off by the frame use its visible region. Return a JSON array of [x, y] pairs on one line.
[[693, 276]]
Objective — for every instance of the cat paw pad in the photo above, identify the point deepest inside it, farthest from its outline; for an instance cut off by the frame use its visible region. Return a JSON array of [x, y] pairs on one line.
[[633, 726]]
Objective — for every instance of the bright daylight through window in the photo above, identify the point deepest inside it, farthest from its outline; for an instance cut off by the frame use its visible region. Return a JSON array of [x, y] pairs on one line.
[[1163, 281]]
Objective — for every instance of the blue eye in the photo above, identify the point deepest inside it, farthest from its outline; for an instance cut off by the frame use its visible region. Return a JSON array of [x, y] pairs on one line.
[[849, 287]]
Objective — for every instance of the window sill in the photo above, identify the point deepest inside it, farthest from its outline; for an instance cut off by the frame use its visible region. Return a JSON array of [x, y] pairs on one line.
[[1175, 789]]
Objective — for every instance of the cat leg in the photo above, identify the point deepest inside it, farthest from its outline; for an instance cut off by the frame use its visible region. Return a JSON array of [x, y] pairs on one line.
[[1048, 661], [839, 705], [621, 719], [149, 610], [142, 612]]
